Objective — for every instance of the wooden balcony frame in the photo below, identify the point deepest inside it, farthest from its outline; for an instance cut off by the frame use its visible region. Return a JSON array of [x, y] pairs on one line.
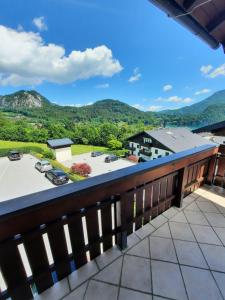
[[158, 184]]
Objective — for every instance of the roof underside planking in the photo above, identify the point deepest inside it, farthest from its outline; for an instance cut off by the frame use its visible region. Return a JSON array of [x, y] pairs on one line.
[[205, 18]]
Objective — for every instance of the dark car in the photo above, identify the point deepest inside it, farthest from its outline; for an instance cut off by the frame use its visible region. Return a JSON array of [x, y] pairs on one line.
[[111, 158], [14, 155], [57, 176], [96, 153]]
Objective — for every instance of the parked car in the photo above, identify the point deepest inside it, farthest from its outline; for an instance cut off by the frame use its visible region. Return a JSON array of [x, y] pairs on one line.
[[96, 153], [43, 166], [57, 176], [111, 158], [14, 155]]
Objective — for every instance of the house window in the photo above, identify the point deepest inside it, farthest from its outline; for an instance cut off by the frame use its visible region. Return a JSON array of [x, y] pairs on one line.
[[138, 146], [156, 151], [159, 156], [167, 153], [147, 140]]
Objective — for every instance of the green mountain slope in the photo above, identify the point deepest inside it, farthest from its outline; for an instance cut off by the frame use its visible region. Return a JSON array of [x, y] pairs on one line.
[[197, 108]]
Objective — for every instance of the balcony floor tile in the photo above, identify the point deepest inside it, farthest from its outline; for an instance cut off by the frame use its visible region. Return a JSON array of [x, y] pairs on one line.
[[205, 234], [141, 249], [126, 294], [181, 231], [144, 231], [158, 221], [78, 293], [108, 256], [98, 290], [167, 280], [195, 217], [200, 284], [162, 249], [136, 273], [215, 256], [190, 254], [82, 274], [111, 273]]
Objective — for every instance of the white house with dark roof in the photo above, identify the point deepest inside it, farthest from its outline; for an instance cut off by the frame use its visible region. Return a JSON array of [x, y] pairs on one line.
[[61, 148], [149, 145]]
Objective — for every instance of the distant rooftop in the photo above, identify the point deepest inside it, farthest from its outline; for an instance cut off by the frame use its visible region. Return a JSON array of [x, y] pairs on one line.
[[59, 143], [211, 127], [178, 139]]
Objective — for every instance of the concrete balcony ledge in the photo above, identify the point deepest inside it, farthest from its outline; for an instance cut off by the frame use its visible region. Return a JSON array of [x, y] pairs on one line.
[[178, 255]]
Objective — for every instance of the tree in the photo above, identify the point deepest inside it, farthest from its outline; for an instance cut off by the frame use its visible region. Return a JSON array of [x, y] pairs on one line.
[[114, 144]]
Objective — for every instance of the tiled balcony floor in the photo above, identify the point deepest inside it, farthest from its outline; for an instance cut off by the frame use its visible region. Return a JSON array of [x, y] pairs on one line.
[[179, 255]]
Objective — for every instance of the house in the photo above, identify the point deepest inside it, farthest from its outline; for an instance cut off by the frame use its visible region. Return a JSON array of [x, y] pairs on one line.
[[149, 145], [214, 132], [61, 148]]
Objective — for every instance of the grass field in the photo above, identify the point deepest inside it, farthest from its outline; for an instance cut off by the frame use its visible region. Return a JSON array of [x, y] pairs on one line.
[[76, 149]]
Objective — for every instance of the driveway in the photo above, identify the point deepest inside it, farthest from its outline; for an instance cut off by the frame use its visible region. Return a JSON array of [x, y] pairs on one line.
[[19, 178], [98, 164]]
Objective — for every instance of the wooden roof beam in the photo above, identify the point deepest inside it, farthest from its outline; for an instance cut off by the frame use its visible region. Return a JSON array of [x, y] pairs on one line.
[[188, 4], [219, 19]]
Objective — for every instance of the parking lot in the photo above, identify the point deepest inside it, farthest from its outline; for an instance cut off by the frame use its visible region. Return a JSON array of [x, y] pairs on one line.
[[19, 178], [98, 164]]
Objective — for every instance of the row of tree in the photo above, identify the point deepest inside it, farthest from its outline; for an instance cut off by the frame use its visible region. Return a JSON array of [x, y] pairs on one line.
[[105, 134]]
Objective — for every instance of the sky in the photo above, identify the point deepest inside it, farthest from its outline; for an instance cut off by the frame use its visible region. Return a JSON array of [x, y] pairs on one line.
[[76, 52]]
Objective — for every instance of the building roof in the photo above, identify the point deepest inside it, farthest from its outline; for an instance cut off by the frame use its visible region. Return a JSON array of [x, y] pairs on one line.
[[59, 143], [176, 139], [210, 128], [205, 18]]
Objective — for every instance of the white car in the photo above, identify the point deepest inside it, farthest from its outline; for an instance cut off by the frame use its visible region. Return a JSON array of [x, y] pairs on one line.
[[43, 166]]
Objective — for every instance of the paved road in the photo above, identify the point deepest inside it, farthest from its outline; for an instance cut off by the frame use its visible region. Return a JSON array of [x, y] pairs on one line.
[[19, 178], [98, 164]]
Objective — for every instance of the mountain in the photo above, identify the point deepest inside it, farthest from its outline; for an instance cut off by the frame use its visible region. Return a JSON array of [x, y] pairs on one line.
[[37, 108], [34, 106], [23, 99], [217, 98]]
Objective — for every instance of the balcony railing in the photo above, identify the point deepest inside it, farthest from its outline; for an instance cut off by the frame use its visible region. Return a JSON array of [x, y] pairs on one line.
[[145, 152], [77, 222]]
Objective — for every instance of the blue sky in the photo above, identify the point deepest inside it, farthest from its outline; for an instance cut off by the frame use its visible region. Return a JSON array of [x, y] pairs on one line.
[[135, 54]]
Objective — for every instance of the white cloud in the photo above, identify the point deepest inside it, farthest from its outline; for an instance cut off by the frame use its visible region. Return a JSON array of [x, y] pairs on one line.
[[174, 99], [206, 69], [89, 103], [155, 107], [203, 91], [102, 86], [136, 76], [220, 71], [167, 87], [40, 23], [25, 59], [20, 27], [138, 106]]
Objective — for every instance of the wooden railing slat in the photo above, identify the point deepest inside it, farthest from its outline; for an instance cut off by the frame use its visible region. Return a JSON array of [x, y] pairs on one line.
[[106, 226], [60, 255], [38, 260], [77, 240], [93, 231], [14, 273]]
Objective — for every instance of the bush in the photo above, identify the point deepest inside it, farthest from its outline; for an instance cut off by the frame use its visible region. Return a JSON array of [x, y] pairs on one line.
[[114, 144], [133, 158], [28, 149], [48, 154], [81, 169]]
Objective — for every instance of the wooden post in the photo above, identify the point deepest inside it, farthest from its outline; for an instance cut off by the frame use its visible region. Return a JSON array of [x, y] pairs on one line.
[[121, 238], [211, 170], [182, 180]]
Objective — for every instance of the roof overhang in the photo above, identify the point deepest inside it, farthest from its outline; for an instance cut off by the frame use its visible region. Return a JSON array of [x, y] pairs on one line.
[[205, 18]]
